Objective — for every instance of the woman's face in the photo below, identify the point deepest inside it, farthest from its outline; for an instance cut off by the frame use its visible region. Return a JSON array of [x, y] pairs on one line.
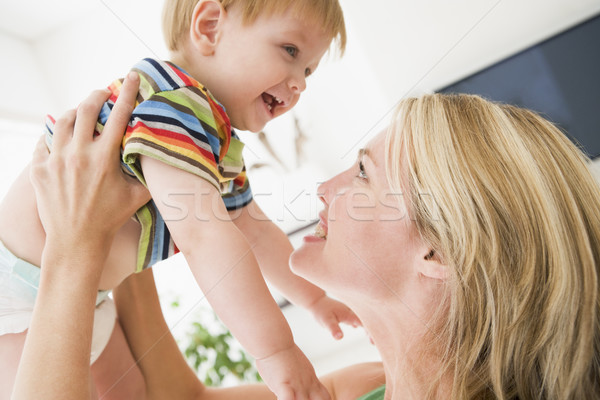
[[365, 242]]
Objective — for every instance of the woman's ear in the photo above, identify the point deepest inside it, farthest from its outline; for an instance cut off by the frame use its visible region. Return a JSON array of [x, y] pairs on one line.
[[432, 266], [206, 24]]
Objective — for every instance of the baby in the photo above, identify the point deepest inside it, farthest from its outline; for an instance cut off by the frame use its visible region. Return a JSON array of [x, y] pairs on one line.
[[234, 63]]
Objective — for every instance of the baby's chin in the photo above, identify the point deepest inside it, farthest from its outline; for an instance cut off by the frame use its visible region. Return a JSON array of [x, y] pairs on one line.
[[241, 122]]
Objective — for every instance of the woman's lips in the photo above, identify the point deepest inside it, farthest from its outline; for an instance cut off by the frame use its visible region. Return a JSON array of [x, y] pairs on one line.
[[321, 228], [313, 239]]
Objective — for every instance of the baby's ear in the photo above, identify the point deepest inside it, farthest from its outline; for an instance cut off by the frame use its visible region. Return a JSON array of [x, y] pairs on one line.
[[432, 266], [206, 24]]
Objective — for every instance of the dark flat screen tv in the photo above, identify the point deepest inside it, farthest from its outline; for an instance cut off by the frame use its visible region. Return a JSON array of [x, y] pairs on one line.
[[559, 78]]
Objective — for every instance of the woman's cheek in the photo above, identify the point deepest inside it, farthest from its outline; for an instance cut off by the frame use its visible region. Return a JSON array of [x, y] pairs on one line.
[[360, 204]]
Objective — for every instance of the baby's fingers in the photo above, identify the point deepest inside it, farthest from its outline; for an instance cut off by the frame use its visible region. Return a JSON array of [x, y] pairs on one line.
[[351, 319], [331, 322]]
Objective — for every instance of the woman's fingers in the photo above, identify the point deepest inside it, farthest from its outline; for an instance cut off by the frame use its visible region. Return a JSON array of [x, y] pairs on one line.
[[63, 131], [87, 116], [38, 161], [139, 195], [121, 113], [40, 152]]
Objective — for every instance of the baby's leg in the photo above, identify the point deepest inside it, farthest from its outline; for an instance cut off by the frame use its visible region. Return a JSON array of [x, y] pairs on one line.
[[22, 233], [11, 347], [115, 373]]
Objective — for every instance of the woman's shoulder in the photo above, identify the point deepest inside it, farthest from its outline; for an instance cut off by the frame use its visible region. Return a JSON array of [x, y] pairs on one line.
[[354, 381]]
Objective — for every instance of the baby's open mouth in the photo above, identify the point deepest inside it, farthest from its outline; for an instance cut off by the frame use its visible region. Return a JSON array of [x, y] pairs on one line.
[[320, 232], [271, 101]]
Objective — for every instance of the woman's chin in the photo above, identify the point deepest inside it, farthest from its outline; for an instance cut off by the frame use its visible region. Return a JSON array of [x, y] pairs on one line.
[[307, 256]]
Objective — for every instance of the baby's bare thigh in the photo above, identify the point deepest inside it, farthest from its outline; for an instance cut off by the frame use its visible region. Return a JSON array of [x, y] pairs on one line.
[[22, 233], [11, 347], [115, 373], [20, 228]]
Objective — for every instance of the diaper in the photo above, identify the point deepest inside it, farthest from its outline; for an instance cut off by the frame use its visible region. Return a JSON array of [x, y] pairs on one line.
[[19, 283]]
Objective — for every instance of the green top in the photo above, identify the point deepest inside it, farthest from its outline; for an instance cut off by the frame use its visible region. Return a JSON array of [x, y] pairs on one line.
[[376, 394]]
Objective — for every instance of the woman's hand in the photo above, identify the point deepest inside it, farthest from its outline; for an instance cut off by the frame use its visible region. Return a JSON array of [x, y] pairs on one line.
[[83, 196]]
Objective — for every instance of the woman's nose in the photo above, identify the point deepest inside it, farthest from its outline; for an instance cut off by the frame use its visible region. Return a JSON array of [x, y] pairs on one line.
[[332, 187], [323, 193]]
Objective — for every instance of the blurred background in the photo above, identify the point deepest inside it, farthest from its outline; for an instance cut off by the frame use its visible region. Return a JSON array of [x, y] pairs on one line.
[[56, 52]]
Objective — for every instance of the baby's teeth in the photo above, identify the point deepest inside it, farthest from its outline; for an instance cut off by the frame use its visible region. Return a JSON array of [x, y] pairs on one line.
[[269, 107]]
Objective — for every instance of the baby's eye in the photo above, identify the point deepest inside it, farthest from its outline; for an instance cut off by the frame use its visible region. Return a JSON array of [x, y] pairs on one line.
[[361, 172], [291, 50]]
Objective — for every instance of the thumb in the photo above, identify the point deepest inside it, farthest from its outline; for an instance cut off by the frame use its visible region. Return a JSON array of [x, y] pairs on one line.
[[138, 192]]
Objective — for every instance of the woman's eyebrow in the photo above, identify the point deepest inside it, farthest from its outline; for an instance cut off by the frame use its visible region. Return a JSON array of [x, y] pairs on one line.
[[365, 153]]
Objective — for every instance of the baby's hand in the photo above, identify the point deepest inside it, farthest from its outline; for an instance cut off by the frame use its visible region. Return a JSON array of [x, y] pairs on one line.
[[330, 313], [290, 375]]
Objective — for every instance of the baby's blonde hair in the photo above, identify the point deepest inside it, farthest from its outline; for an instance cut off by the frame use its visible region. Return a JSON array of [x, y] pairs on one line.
[[516, 216], [326, 14]]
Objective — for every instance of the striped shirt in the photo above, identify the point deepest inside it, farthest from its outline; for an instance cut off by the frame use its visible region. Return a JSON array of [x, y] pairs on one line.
[[176, 121]]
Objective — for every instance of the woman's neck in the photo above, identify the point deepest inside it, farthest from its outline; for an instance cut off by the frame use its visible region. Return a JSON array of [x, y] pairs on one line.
[[409, 366]]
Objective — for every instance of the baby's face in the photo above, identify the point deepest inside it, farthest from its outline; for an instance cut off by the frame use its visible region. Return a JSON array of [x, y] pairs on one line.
[[264, 66]]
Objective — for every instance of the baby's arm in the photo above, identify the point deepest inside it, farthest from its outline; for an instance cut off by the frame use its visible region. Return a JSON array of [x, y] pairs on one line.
[[168, 376], [224, 266], [272, 248]]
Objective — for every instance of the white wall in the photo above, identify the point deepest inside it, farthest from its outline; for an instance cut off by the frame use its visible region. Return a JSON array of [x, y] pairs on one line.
[[424, 45], [24, 93], [98, 47]]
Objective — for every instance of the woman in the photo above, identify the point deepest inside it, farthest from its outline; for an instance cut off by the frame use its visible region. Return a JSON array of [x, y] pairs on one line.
[[489, 285], [467, 239]]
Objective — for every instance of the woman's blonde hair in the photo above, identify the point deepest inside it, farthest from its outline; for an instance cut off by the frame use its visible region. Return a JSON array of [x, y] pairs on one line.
[[516, 216], [326, 14]]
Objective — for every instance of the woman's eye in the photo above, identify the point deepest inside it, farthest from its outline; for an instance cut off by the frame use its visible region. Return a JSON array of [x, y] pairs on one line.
[[291, 50], [361, 172], [307, 72]]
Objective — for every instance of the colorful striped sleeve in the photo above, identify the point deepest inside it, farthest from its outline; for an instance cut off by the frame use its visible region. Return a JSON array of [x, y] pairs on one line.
[[177, 128], [237, 193]]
